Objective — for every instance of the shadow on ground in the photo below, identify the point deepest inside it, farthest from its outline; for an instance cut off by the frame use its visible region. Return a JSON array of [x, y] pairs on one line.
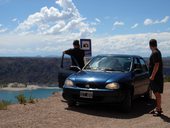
[[140, 107], [165, 118]]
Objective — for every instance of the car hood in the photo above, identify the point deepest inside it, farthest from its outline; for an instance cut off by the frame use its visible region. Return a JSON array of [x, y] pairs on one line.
[[99, 77]]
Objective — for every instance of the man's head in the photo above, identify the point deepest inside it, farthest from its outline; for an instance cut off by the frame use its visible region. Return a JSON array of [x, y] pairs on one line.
[[153, 44], [76, 44]]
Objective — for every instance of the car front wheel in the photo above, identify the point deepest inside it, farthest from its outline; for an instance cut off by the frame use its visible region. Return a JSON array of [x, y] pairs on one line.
[[127, 102], [71, 103]]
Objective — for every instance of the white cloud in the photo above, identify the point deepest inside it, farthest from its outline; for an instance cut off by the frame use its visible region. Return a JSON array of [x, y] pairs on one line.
[[2, 29], [98, 20], [118, 23], [44, 45], [135, 26], [54, 21], [15, 19], [52, 30], [165, 20], [131, 44], [33, 45], [150, 21]]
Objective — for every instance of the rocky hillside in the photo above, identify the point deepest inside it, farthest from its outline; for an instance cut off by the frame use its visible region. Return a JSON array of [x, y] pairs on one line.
[[38, 70], [29, 70], [166, 65]]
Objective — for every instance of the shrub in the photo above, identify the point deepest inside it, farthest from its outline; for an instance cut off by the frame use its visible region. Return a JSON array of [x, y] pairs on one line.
[[31, 100], [4, 104], [3, 85], [21, 99], [167, 79]]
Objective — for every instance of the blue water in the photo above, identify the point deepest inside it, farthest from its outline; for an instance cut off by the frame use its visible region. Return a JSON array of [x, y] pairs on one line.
[[36, 94]]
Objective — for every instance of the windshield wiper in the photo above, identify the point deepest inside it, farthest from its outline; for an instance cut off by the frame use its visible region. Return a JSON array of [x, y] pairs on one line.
[[108, 69], [103, 69], [90, 68], [111, 69]]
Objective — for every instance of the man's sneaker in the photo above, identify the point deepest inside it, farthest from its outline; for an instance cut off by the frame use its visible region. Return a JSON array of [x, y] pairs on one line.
[[153, 111], [156, 112]]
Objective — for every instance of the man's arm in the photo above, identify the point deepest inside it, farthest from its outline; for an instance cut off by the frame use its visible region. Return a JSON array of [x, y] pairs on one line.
[[155, 69], [69, 51]]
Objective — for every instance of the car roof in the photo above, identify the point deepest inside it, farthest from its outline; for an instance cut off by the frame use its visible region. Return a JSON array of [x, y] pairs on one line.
[[121, 55]]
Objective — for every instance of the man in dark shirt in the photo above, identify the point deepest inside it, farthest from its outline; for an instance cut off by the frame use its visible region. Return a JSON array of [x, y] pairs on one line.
[[156, 75], [77, 54]]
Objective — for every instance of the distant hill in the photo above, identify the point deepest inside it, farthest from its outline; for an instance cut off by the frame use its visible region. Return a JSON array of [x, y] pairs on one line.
[[166, 61], [166, 65], [36, 70], [39, 70]]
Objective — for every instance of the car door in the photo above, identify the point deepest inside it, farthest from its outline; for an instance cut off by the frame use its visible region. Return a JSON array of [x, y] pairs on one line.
[[140, 76], [65, 69], [145, 78]]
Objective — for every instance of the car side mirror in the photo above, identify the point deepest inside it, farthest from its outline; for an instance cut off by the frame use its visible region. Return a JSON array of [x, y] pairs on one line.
[[75, 68]]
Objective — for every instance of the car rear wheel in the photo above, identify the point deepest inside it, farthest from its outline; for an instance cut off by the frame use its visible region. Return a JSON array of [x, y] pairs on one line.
[[127, 102]]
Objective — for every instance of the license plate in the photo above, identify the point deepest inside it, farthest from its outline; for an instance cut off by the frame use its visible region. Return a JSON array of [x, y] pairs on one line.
[[86, 94]]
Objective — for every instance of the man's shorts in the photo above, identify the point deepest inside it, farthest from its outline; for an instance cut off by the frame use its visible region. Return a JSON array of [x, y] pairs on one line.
[[156, 86]]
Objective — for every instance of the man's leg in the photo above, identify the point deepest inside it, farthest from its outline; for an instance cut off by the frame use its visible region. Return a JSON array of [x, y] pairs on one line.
[[158, 104], [158, 100]]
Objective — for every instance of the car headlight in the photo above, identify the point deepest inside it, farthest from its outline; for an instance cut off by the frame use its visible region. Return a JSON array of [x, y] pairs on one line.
[[68, 82], [112, 86]]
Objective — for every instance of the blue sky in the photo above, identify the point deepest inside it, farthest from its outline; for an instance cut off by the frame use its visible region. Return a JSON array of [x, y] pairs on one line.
[[47, 27]]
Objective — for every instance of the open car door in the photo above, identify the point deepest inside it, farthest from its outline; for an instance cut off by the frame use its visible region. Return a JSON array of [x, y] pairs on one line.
[[66, 69]]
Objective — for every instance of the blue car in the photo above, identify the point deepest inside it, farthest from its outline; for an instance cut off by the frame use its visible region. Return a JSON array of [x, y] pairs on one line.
[[107, 79]]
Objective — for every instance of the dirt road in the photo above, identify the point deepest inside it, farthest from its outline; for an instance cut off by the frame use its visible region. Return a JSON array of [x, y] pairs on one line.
[[54, 113]]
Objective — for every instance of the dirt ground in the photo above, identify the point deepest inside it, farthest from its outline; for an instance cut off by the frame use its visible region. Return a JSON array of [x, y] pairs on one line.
[[53, 112]]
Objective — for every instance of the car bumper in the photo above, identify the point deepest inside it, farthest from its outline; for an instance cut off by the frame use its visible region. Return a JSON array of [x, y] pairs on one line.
[[99, 95]]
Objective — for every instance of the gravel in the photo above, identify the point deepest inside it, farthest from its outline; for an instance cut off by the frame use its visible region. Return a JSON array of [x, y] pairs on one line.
[[53, 112]]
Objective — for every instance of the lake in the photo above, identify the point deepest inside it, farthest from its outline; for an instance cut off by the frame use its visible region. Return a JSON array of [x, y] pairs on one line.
[[36, 94]]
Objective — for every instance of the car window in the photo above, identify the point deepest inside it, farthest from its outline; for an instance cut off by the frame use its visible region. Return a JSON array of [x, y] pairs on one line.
[[140, 64], [137, 65], [110, 63], [67, 62], [143, 65], [127, 63]]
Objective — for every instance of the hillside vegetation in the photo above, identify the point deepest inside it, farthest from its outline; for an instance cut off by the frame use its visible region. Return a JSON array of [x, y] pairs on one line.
[[40, 70], [29, 70]]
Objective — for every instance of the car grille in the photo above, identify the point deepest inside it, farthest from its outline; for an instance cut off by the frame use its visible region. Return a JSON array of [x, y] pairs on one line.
[[90, 85]]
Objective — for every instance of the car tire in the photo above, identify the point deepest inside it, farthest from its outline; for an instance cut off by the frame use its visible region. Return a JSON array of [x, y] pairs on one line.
[[71, 103], [127, 102]]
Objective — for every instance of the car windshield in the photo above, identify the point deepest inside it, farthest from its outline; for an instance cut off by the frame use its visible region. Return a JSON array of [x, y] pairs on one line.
[[109, 63]]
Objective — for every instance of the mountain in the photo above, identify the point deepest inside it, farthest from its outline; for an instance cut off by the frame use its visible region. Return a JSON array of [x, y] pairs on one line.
[[39, 70], [32, 70], [166, 65]]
